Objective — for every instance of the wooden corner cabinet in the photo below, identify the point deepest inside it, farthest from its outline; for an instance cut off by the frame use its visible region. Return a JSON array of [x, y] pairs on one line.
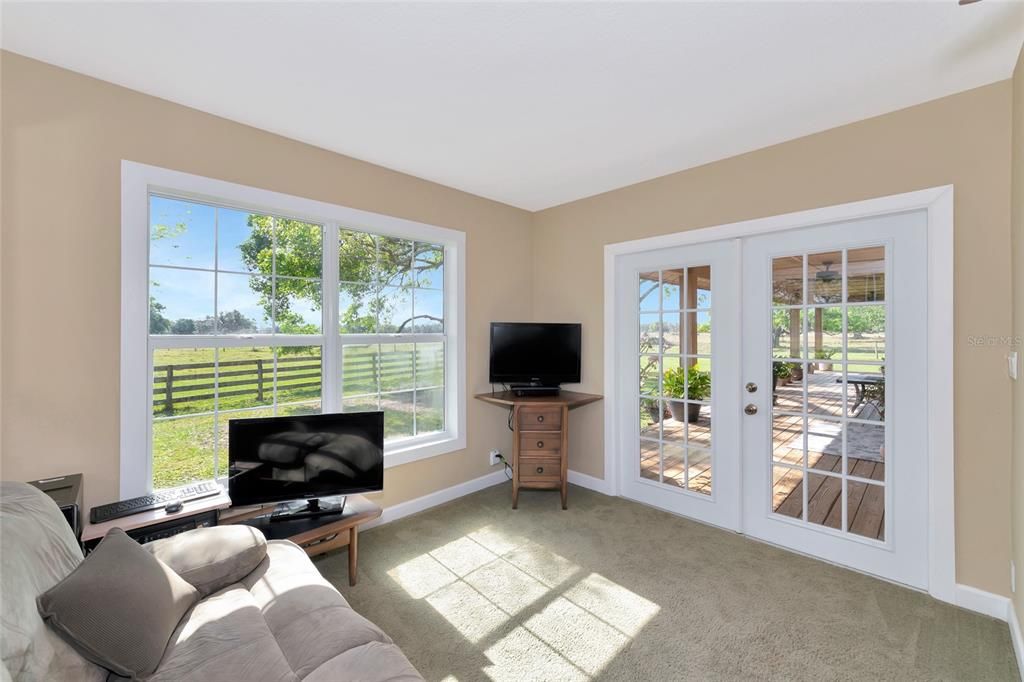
[[540, 438]]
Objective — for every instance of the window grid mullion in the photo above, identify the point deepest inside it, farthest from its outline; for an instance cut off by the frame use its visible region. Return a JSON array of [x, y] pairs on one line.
[[330, 340]]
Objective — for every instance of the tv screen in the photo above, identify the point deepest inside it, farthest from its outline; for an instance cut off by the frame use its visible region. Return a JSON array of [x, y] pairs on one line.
[[546, 354], [275, 459]]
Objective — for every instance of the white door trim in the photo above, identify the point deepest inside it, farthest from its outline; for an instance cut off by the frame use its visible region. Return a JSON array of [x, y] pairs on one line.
[[938, 202]]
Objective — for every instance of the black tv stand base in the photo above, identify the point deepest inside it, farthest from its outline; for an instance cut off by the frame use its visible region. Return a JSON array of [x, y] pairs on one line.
[[309, 509], [526, 390]]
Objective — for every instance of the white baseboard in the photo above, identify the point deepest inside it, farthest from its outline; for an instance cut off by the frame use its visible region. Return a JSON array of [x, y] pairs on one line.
[[397, 511], [1018, 641], [402, 509], [585, 481], [985, 603]]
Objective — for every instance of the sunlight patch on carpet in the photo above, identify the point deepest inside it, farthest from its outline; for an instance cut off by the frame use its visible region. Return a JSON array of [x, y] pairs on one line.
[[530, 610]]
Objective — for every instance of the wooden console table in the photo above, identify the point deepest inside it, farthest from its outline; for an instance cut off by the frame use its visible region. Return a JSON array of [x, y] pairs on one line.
[[316, 535], [540, 440]]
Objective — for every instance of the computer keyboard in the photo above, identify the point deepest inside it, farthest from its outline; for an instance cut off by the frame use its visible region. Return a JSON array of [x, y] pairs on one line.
[[157, 500]]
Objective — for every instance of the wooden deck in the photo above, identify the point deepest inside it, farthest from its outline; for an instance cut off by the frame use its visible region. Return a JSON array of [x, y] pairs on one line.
[[865, 502]]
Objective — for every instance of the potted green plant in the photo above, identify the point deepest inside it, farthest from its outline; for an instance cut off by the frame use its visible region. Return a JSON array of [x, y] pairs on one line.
[[796, 372], [686, 384], [823, 356], [780, 374]]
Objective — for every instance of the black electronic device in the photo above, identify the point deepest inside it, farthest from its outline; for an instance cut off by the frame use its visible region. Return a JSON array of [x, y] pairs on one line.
[[66, 491], [306, 457], [535, 357], [157, 500]]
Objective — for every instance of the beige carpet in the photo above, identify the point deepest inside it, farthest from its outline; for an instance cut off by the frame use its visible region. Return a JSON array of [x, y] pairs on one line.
[[613, 590]]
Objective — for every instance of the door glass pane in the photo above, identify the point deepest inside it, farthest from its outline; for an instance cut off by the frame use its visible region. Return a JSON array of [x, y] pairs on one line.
[[649, 300], [825, 277], [865, 509], [675, 464], [699, 470], [674, 364], [673, 284], [865, 392], [788, 440], [825, 500], [788, 333], [787, 491], [865, 274], [828, 418], [650, 460], [865, 450], [650, 333], [650, 373], [865, 334], [698, 287], [788, 280], [672, 325]]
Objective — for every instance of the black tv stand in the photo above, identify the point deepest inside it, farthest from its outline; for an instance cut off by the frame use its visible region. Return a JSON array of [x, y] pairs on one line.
[[308, 509], [534, 389]]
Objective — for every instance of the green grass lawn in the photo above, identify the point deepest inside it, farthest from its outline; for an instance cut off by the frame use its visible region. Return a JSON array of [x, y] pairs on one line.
[[186, 438]]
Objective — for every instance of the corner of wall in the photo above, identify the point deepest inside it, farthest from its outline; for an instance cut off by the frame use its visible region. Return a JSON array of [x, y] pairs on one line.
[[1017, 267]]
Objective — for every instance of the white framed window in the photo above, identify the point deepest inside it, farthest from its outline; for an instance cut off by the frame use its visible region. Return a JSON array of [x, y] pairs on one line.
[[241, 302]]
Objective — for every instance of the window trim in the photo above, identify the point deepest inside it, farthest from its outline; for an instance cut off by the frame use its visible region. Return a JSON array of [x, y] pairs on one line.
[[139, 180]]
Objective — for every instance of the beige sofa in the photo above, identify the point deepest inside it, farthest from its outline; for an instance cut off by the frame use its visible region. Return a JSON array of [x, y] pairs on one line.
[[281, 621]]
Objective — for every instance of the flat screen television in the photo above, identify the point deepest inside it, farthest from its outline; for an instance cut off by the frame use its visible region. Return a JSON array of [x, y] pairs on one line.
[[308, 457], [542, 354]]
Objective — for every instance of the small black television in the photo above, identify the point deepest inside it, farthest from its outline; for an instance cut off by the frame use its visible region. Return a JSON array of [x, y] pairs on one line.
[[538, 354], [306, 457]]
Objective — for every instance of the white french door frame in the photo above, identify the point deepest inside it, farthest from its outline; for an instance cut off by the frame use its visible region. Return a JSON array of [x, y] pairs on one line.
[[938, 203]]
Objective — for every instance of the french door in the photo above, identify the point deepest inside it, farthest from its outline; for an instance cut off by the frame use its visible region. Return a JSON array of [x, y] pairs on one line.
[[778, 388], [682, 364]]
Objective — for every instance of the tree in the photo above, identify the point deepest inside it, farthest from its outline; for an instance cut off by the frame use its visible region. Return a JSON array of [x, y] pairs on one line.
[[184, 326], [377, 274], [158, 324]]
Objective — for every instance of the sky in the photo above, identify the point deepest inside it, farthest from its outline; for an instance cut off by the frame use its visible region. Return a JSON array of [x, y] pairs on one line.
[[210, 240]]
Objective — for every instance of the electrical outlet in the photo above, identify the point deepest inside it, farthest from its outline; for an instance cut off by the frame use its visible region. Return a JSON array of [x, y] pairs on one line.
[[1011, 360], [495, 457]]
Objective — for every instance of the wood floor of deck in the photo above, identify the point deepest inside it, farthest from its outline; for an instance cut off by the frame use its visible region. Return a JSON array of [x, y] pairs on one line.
[[826, 400]]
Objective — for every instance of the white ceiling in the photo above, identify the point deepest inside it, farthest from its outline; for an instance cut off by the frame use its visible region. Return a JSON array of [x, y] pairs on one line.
[[532, 104]]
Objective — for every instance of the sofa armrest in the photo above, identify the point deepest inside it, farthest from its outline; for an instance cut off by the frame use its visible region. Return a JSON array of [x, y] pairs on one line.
[[212, 558]]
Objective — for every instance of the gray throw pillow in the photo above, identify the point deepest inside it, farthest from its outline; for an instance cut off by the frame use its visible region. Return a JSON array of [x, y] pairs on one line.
[[119, 607]]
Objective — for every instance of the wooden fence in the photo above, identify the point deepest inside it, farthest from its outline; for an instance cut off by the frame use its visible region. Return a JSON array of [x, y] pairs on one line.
[[192, 382]]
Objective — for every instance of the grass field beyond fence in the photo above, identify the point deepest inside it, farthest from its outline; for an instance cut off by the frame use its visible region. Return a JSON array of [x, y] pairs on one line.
[[190, 441]]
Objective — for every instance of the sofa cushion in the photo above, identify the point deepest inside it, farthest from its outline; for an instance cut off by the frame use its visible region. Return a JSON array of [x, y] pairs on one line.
[[37, 550], [212, 558], [224, 638], [373, 661], [310, 620], [119, 607]]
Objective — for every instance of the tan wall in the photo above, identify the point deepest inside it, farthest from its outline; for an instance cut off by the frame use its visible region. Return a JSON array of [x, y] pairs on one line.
[[64, 136], [1017, 215], [961, 140]]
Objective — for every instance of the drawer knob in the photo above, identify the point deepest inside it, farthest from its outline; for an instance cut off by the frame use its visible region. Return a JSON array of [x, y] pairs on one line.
[[540, 417], [540, 470], [540, 444]]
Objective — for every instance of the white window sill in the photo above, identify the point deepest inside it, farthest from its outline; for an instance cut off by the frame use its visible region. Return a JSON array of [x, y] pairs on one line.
[[413, 449]]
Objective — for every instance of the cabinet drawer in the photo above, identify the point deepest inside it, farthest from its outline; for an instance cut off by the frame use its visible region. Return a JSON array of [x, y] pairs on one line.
[[540, 418], [536, 442], [541, 469]]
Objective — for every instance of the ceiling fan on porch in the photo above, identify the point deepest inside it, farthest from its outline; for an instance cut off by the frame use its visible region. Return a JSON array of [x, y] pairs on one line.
[[828, 283]]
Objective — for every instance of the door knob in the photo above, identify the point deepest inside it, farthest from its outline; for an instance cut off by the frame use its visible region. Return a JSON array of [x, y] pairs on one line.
[[751, 387], [751, 408]]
